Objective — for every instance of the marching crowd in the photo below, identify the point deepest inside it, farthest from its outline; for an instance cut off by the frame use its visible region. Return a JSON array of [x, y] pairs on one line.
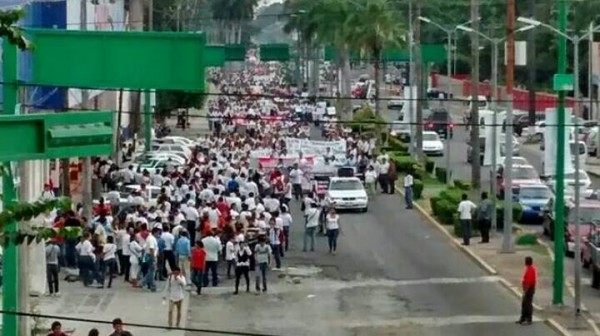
[[221, 208]]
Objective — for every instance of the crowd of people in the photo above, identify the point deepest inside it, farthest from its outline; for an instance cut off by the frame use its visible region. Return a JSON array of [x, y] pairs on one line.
[[224, 211]]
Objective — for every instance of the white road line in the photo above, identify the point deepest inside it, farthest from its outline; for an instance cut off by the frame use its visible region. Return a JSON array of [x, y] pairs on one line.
[[430, 322]]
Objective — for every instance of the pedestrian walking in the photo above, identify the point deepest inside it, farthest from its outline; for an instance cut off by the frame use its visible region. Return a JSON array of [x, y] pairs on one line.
[[135, 260], [408, 190], [213, 247], [332, 223], [529, 282], [183, 250], [465, 213], [484, 217], [384, 178], [371, 180], [109, 251], [312, 221], [392, 177], [263, 253], [275, 237], [286, 220], [230, 255], [52, 267], [198, 265], [175, 293], [242, 266]]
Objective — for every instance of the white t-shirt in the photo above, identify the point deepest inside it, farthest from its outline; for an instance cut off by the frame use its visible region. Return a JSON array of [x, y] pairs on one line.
[[229, 251], [151, 244], [370, 176], [465, 209], [169, 240], [332, 222], [408, 181], [286, 219], [312, 217], [296, 176], [109, 251]]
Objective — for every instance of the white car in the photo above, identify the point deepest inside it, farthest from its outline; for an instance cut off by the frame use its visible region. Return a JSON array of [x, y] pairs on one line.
[[153, 193], [584, 184], [179, 158], [432, 144], [347, 193], [154, 164], [176, 140], [172, 148], [516, 160]]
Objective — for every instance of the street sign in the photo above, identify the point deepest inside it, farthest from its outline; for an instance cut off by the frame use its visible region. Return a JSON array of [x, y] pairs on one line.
[[56, 135], [214, 56], [235, 53], [563, 82], [275, 52], [118, 59]]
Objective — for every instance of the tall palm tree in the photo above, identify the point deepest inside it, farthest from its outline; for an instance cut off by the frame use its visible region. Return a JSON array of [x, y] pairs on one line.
[[375, 27]]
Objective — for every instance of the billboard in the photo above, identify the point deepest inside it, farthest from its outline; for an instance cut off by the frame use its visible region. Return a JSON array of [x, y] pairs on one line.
[[105, 15]]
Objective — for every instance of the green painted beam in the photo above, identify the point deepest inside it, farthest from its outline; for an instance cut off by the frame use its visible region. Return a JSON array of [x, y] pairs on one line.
[[214, 56], [56, 135], [275, 52]]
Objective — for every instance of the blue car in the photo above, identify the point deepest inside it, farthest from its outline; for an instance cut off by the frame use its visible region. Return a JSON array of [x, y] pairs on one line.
[[533, 198]]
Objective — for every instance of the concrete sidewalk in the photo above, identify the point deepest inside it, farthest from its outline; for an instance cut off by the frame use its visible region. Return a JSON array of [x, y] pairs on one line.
[[132, 305]]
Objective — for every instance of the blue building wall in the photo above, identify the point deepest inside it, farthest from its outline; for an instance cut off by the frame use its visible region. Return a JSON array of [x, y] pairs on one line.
[[51, 15]]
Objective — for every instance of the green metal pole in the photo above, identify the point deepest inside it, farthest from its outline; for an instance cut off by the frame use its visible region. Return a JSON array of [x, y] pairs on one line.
[[10, 292], [559, 228], [147, 121]]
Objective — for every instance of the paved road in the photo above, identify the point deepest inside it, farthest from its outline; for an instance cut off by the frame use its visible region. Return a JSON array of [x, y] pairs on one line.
[[394, 274]]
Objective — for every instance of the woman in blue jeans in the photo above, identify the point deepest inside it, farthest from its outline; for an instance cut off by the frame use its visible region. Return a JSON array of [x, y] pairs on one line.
[[332, 223]]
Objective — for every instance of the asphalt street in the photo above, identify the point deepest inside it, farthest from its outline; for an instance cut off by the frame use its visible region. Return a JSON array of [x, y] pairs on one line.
[[394, 273]]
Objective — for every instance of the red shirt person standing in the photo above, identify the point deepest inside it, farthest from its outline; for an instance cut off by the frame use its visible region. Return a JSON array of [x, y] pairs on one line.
[[197, 265], [529, 282]]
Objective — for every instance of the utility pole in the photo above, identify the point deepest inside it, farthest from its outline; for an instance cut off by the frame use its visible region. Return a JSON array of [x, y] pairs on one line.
[[411, 78], [147, 94], [86, 193], [531, 65], [507, 241], [136, 23], [419, 82], [559, 230], [25, 170], [476, 165]]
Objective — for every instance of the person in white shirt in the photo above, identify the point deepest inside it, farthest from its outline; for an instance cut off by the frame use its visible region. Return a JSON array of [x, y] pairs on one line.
[[213, 215], [230, 248], [271, 204], [312, 221], [408, 190], [371, 180], [213, 247], [332, 224], [175, 293], [136, 251], [87, 260], [125, 263], [384, 167], [150, 258], [296, 176], [465, 212], [109, 251], [286, 222]]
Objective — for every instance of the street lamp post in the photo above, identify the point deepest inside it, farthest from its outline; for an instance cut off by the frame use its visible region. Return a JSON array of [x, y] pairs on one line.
[[495, 42], [576, 40]]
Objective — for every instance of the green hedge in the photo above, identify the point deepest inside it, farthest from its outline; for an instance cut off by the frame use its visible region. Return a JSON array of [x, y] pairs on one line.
[[517, 213], [397, 145], [462, 185], [440, 174], [418, 189], [429, 166], [406, 164]]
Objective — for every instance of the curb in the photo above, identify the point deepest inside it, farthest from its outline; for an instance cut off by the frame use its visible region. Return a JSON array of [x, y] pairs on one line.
[[552, 324]]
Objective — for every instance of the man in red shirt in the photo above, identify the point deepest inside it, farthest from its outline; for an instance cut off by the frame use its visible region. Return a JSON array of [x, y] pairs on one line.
[[197, 265], [529, 282]]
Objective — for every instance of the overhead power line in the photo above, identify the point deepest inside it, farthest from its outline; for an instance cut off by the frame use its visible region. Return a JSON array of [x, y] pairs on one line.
[[137, 325]]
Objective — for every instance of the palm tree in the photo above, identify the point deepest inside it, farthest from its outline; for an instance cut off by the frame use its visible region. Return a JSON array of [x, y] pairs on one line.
[[375, 27]]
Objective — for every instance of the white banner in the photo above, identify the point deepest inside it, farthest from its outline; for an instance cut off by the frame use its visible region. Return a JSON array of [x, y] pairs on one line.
[[551, 140], [489, 139], [315, 147]]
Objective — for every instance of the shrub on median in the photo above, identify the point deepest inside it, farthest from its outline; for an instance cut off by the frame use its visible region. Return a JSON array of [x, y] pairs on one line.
[[429, 166], [462, 185], [440, 174], [517, 213], [418, 189]]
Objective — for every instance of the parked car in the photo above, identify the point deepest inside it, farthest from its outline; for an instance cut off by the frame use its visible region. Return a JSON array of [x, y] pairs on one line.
[[521, 175], [533, 198], [396, 103], [347, 193], [439, 120], [401, 131], [589, 214], [521, 121], [481, 150], [584, 183]]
